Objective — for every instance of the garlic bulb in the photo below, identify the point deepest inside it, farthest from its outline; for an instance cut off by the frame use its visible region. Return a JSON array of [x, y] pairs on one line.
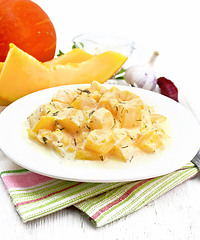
[[142, 76]]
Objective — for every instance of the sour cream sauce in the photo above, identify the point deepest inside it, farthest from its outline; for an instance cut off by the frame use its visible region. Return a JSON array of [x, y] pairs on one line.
[[110, 162]]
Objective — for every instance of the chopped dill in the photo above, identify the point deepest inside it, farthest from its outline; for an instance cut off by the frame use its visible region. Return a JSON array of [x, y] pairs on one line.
[[55, 113], [101, 157], [44, 140], [84, 90], [125, 146]]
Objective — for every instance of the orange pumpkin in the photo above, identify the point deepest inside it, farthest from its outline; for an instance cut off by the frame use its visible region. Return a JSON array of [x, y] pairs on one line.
[[25, 24]]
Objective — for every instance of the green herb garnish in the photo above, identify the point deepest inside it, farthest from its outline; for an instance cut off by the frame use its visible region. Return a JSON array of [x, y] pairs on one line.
[[119, 74], [90, 114], [88, 127], [76, 46], [84, 90], [101, 157], [55, 113], [44, 140], [60, 53], [125, 146]]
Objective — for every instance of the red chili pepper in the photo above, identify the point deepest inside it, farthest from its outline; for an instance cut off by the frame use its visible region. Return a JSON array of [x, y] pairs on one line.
[[168, 88]]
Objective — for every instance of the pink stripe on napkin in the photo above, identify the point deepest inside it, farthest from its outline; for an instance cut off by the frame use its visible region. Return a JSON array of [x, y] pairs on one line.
[[49, 195], [24, 180], [124, 196]]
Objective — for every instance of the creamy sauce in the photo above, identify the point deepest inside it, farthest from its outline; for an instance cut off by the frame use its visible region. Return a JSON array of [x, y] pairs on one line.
[[111, 162]]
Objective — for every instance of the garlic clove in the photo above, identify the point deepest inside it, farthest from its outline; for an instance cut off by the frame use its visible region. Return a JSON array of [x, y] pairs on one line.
[[142, 76]]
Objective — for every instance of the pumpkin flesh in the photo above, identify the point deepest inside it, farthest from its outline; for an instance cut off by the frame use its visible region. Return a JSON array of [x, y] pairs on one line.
[[23, 74]]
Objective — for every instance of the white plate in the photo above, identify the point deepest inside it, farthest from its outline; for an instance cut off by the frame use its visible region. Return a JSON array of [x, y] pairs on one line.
[[16, 145]]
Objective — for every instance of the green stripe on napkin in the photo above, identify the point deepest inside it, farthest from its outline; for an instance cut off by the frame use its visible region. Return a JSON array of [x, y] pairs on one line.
[[35, 196], [131, 197]]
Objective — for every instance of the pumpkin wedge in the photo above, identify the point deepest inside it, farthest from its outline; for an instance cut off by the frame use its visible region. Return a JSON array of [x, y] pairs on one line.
[[3, 102], [76, 55], [23, 74], [1, 65]]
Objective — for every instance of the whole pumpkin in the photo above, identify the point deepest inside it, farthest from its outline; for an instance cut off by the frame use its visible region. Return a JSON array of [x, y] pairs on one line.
[[25, 24]]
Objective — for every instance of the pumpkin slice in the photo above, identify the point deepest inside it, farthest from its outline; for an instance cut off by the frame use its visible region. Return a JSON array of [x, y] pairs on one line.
[[3, 102], [1, 65], [76, 55], [23, 74]]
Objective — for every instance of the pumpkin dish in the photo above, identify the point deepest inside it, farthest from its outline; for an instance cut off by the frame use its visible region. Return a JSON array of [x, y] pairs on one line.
[[93, 122]]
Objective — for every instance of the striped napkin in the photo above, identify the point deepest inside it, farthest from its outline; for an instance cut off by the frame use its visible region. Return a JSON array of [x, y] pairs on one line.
[[35, 196]]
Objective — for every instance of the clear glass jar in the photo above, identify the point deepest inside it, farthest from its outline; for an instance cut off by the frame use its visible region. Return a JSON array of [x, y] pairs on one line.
[[96, 44]]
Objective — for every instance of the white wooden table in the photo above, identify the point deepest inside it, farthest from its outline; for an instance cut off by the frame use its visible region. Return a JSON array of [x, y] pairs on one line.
[[171, 27]]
